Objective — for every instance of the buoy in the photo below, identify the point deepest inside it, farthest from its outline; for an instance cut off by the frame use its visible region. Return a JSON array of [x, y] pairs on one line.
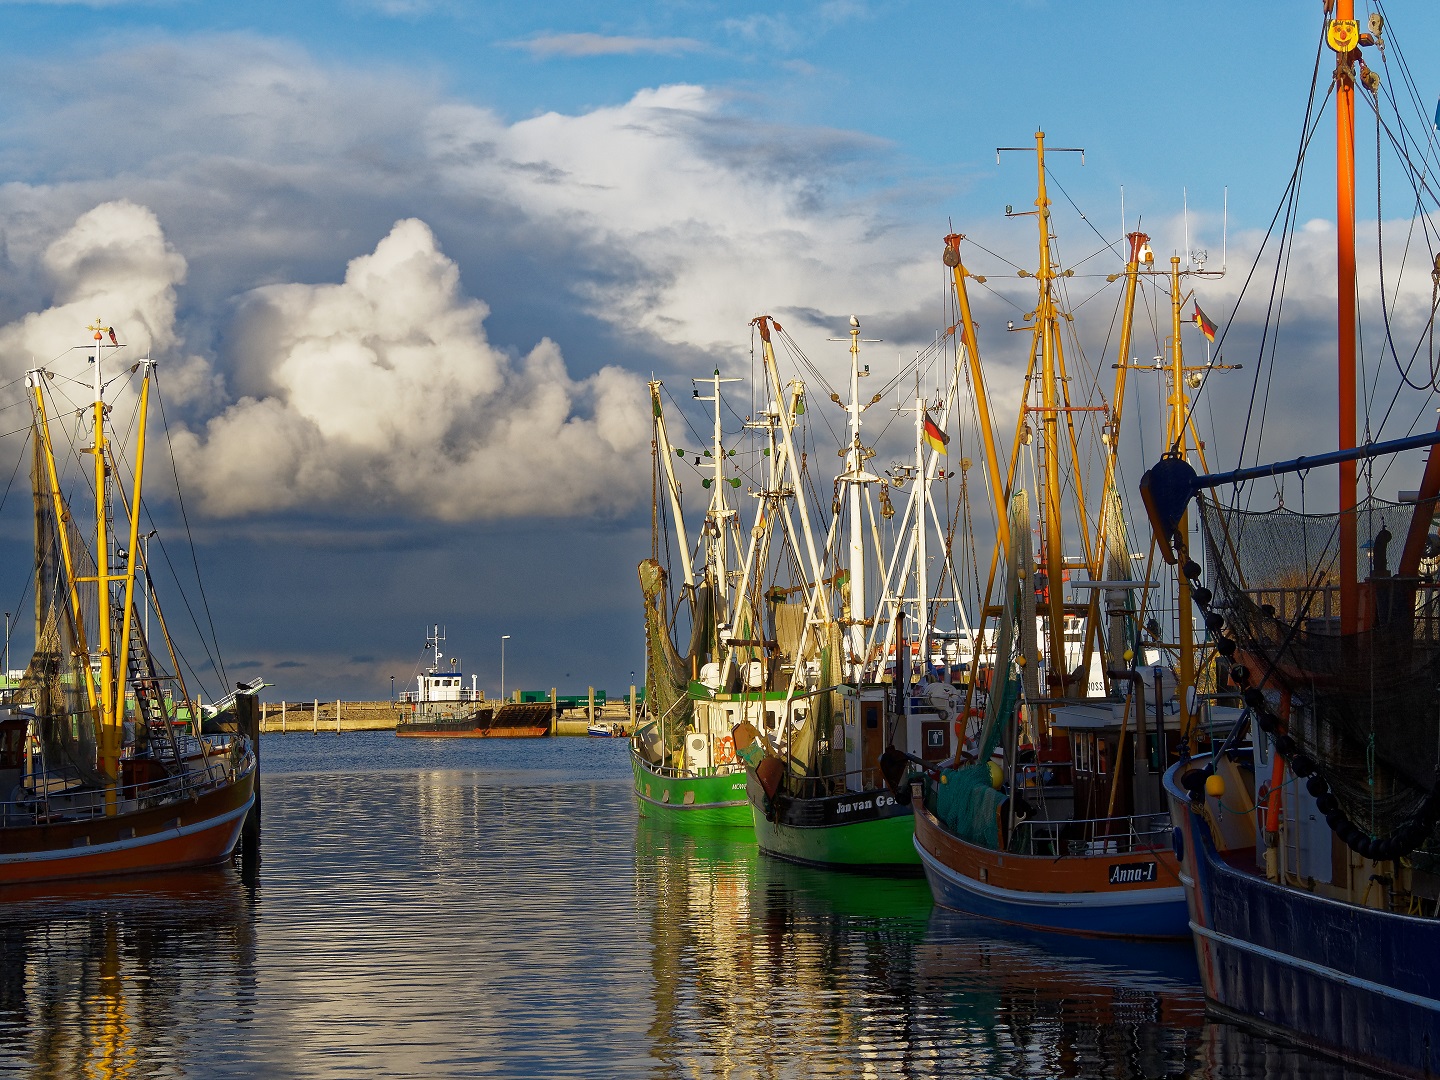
[[1215, 786], [997, 776]]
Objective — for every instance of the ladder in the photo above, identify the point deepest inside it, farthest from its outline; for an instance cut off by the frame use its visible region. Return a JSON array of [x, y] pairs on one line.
[[151, 709]]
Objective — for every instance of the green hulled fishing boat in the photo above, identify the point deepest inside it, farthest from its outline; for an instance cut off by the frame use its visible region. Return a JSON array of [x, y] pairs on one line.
[[817, 788], [685, 766]]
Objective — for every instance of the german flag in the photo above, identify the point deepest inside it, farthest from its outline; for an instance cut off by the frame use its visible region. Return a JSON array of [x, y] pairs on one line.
[[936, 438], [1202, 320]]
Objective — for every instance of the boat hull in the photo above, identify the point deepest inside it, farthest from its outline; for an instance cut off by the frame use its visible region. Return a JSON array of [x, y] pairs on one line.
[[699, 800], [513, 720], [1104, 895], [1354, 982], [531, 732], [865, 831], [174, 836]]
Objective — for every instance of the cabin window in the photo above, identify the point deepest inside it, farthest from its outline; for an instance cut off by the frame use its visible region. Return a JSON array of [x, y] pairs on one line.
[[770, 719], [872, 715], [1102, 757]]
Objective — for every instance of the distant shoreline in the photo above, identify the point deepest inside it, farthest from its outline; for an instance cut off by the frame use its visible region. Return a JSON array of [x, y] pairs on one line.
[[320, 717]]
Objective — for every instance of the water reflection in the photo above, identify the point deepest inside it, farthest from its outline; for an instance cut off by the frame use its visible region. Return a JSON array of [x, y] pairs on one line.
[[766, 969], [517, 922], [117, 981]]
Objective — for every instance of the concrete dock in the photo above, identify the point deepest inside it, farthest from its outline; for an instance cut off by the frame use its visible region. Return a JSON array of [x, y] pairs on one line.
[[337, 717]]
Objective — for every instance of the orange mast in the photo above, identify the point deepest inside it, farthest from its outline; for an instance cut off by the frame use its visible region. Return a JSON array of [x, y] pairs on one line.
[[1344, 39]]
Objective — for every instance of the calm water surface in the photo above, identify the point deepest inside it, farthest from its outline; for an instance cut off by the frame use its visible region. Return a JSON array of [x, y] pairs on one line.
[[486, 908]]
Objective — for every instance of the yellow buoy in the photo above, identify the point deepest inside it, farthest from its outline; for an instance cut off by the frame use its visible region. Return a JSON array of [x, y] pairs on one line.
[[1215, 786], [997, 776]]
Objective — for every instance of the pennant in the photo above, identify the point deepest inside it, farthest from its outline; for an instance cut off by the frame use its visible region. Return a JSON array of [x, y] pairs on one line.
[[934, 437], [1202, 320]]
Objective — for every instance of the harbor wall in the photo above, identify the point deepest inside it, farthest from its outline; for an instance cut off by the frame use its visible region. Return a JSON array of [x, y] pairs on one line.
[[337, 717]]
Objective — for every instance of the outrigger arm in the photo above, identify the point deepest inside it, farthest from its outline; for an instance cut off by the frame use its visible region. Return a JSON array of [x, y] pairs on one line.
[[1169, 485]]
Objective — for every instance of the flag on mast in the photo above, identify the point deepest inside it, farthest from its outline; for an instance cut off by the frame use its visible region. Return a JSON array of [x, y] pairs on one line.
[[936, 438], [1202, 320]]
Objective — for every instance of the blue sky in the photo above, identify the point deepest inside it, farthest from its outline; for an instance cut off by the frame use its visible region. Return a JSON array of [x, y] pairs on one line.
[[595, 193]]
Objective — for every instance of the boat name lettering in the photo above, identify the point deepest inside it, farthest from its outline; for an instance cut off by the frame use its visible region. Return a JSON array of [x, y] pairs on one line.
[[850, 807], [1133, 873]]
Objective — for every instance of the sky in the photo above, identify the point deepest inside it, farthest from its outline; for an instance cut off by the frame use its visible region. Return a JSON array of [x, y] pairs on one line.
[[406, 264]]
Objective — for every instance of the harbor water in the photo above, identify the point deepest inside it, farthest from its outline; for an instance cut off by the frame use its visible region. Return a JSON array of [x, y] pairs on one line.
[[495, 908]]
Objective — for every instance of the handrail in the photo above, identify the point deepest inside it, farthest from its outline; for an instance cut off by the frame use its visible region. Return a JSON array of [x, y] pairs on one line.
[[1117, 835], [217, 770]]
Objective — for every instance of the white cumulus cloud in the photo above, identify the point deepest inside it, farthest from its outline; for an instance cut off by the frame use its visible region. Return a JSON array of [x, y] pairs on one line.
[[383, 390]]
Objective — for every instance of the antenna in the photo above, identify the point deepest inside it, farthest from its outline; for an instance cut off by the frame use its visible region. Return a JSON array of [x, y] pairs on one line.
[[1122, 210], [1225, 231], [1185, 211]]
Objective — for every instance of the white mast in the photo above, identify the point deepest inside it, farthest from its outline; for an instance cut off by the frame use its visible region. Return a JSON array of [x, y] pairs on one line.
[[922, 522], [855, 478], [719, 513]]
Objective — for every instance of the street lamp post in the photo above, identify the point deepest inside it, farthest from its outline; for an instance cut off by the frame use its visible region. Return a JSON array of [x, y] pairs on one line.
[[392, 689], [503, 638]]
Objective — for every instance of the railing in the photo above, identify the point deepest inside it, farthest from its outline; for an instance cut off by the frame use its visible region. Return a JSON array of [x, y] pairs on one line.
[[672, 773], [1092, 836], [1319, 607], [226, 760], [1290, 604]]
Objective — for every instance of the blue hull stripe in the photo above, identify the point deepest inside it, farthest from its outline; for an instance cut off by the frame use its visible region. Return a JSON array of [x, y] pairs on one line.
[[1151, 913]]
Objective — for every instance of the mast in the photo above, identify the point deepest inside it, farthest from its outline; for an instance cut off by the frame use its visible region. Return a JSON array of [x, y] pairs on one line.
[[132, 546], [922, 522], [718, 516], [977, 378], [1344, 38], [1175, 439], [854, 479], [110, 720], [792, 459], [672, 489], [1048, 332]]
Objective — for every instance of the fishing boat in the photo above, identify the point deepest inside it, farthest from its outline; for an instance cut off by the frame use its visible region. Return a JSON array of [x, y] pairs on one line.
[[105, 766], [1058, 821], [817, 792], [597, 729], [1309, 853], [442, 707], [683, 760]]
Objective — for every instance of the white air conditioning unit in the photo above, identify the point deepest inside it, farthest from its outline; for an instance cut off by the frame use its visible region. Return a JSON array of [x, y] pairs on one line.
[[754, 674], [697, 750]]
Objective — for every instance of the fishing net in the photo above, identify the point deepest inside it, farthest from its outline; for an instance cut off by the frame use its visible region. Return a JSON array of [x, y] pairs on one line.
[[1364, 706], [667, 674], [54, 683], [965, 800]]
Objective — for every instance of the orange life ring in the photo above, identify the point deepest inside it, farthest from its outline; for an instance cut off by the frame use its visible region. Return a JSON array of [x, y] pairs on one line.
[[725, 751]]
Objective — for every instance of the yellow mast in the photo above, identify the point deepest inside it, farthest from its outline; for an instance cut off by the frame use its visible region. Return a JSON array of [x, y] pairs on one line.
[[132, 548], [62, 517], [977, 379], [1175, 439], [110, 734], [1139, 251], [1048, 333]]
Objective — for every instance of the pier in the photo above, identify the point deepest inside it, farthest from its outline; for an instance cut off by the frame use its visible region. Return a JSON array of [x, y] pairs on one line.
[[337, 717]]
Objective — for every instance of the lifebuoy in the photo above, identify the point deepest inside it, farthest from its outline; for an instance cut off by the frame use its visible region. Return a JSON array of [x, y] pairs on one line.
[[725, 751]]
